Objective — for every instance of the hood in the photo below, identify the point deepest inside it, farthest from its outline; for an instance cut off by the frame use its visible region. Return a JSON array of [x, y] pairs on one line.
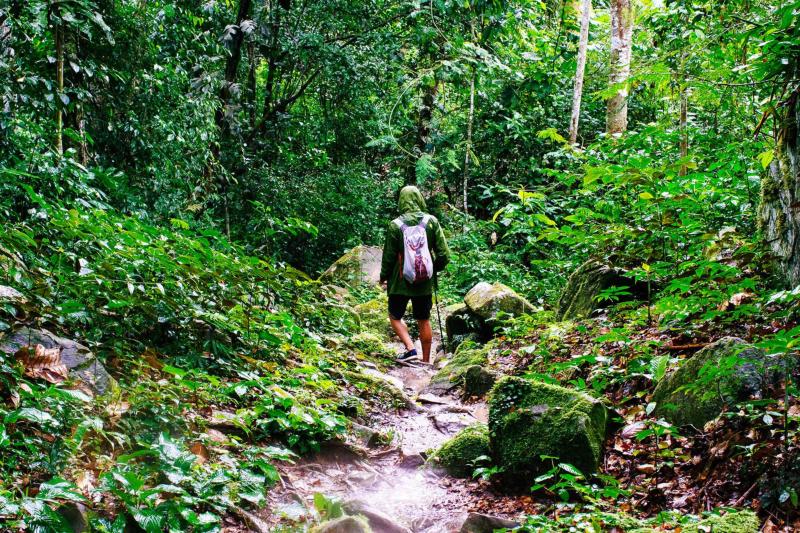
[[411, 201]]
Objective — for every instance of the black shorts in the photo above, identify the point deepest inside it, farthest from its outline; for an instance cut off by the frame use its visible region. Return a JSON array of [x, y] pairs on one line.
[[421, 306]]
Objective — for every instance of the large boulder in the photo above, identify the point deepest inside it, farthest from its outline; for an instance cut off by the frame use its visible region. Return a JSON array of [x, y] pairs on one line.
[[79, 360], [345, 524], [483, 523], [461, 325], [530, 419], [373, 317], [360, 265], [579, 297], [451, 375], [457, 456], [721, 374], [486, 300]]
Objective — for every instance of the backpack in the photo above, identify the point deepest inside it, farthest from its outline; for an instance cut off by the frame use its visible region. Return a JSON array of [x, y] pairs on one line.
[[417, 260]]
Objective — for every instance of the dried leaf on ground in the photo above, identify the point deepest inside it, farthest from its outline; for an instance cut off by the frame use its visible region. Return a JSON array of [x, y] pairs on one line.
[[43, 363]]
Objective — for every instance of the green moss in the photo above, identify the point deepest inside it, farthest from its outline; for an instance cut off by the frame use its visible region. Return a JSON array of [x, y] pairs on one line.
[[373, 388], [369, 344], [486, 300], [731, 522], [467, 355], [477, 381], [373, 317], [530, 419], [457, 456], [682, 404]]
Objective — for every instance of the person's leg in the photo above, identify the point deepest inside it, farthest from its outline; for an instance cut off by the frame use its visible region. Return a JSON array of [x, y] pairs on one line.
[[401, 330], [397, 308], [422, 306], [425, 339]]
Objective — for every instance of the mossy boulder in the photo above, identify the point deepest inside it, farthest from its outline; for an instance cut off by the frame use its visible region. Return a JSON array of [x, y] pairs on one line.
[[486, 300], [360, 265], [457, 456], [721, 374], [530, 419], [345, 524], [477, 381], [369, 344], [373, 317], [462, 325], [451, 375], [579, 297]]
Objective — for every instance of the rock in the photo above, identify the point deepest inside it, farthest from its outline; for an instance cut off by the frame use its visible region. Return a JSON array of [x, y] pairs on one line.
[[360, 265], [528, 419], [462, 325], [731, 522], [432, 399], [750, 374], [345, 524], [451, 375], [410, 460], [484, 523], [486, 300], [578, 299], [79, 360], [478, 381], [378, 521], [373, 317], [395, 381], [457, 456], [375, 384], [76, 516], [449, 422], [11, 295]]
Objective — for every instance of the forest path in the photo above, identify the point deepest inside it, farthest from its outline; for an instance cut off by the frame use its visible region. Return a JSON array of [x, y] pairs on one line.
[[390, 480]]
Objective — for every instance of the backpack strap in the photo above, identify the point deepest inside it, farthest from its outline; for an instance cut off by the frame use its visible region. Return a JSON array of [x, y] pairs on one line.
[[399, 223], [425, 219]]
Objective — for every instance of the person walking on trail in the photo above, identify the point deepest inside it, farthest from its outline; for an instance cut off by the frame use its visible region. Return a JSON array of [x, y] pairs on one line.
[[414, 251]]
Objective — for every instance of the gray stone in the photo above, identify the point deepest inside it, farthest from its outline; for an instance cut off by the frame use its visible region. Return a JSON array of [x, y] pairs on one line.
[[478, 381], [483, 523], [487, 300], [360, 265], [378, 522], [683, 398], [11, 295], [579, 297], [78, 359], [345, 524]]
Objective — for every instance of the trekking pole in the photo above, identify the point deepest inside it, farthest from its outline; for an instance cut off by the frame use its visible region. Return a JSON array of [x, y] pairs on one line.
[[442, 333]]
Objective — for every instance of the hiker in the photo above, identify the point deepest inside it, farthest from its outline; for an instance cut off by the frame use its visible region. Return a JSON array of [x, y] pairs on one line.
[[414, 251]]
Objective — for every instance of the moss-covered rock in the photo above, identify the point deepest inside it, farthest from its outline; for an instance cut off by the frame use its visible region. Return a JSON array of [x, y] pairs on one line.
[[369, 344], [529, 419], [345, 524], [486, 300], [451, 375], [463, 325], [724, 372], [457, 456], [361, 265], [579, 297], [477, 381], [373, 317], [731, 522]]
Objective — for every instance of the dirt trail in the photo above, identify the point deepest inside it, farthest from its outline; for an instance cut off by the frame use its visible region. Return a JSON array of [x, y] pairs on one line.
[[391, 479]]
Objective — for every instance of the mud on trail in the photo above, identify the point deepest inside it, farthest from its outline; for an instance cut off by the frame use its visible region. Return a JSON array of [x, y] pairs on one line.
[[391, 479]]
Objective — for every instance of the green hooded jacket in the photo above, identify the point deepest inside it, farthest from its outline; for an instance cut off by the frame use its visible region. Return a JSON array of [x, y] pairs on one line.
[[412, 208]]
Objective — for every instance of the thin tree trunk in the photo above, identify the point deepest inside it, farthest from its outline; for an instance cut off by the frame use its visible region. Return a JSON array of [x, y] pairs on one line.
[[684, 126], [468, 149], [577, 92], [59, 34], [620, 67]]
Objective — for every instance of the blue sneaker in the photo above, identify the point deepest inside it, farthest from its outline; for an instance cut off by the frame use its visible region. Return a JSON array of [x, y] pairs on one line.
[[407, 357]]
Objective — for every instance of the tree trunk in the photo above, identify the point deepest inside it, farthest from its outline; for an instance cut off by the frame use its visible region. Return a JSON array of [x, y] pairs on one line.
[[59, 35], [684, 126], [468, 149], [423, 143], [779, 217], [232, 64], [620, 67], [577, 92]]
